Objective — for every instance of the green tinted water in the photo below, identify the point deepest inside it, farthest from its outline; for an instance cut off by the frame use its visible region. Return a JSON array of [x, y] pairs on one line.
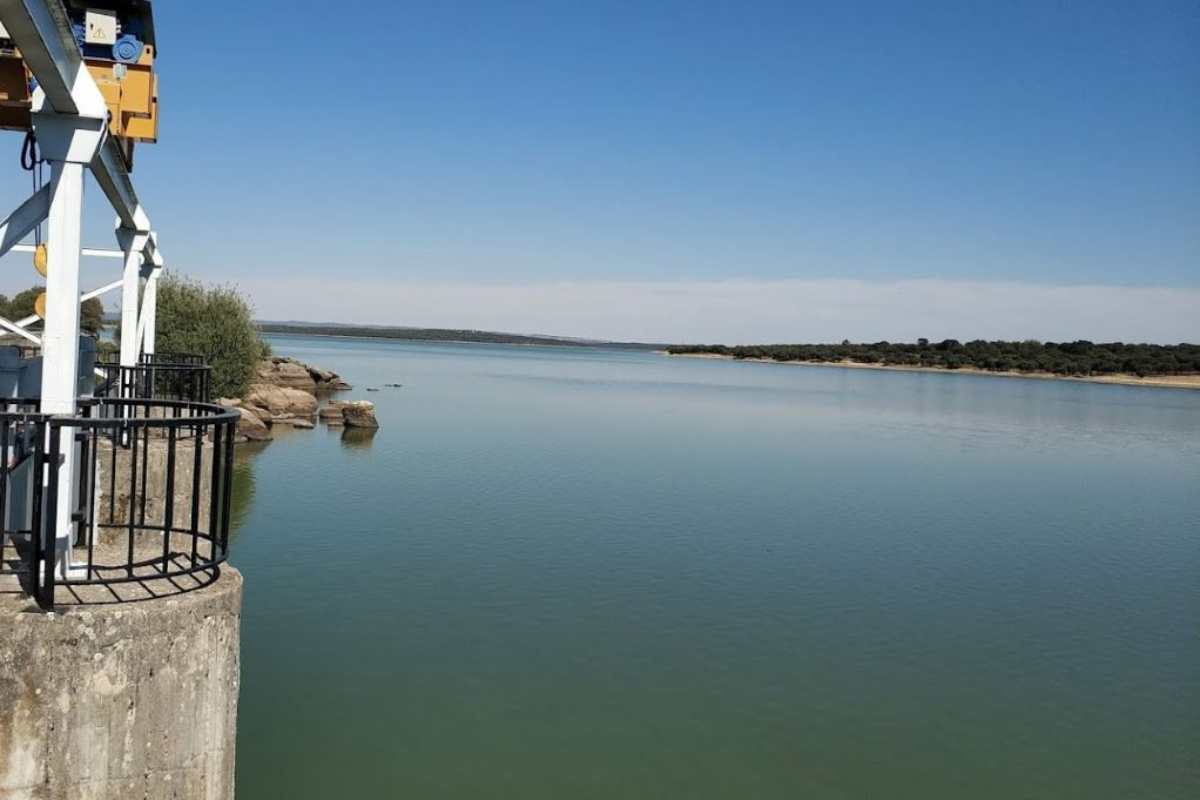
[[594, 574]]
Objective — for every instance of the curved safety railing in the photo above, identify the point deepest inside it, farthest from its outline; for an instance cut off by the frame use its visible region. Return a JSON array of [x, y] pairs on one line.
[[194, 359], [148, 511], [188, 379]]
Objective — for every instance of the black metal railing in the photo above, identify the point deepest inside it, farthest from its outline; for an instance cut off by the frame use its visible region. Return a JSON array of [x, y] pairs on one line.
[[22, 456], [174, 358], [149, 505], [156, 378]]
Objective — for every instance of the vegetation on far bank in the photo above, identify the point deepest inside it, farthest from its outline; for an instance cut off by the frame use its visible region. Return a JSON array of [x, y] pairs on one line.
[[441, 335], [1080, 358], [215, 322]]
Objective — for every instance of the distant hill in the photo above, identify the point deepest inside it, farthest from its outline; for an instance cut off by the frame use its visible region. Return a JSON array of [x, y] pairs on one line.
[[441, 335]]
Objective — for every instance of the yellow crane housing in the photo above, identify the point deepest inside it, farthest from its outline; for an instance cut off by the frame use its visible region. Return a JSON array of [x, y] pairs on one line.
[[116, 39]]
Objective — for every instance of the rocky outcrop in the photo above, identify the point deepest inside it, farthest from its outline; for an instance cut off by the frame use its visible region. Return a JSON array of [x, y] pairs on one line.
[[327, 380], [359, 414], [262, 413], [284, 371], [250, 427], [280, 402], [285, 391]]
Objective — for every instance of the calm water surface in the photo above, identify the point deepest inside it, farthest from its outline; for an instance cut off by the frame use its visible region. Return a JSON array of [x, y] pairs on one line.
[[563, 573]]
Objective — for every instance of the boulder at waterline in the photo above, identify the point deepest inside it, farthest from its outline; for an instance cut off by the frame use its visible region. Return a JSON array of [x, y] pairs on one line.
[[281, 401], [249, 426], [331, 412], [359, 414], [261, 413]]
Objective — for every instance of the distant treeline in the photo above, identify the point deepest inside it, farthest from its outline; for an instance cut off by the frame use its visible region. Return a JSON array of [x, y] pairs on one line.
[[1060, 358], [442, 335]]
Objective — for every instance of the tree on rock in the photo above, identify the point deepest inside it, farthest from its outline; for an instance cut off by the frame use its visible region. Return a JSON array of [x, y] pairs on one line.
[[213, 321]]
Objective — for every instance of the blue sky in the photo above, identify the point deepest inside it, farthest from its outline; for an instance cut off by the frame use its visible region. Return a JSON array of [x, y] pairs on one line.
[[484, 145]]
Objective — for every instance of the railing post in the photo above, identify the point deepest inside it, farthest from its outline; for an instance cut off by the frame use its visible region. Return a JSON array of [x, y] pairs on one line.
[[46, 557]]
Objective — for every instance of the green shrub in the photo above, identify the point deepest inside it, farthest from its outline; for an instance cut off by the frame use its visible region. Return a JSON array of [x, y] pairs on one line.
[[213, 321]]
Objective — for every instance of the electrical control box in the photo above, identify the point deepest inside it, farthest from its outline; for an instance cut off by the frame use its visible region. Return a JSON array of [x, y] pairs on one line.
[[100, 26], [116, 40]]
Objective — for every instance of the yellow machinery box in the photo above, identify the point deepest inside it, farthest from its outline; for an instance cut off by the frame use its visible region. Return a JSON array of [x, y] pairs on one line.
[[129, 87]]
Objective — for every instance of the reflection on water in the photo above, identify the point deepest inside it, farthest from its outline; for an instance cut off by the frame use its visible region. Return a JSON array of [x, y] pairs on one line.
[[358, 438], [243, 485]]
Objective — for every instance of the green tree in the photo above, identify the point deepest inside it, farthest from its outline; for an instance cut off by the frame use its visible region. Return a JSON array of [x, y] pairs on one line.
[[91, 311], [91, 316], [213, 321], [21, 305]]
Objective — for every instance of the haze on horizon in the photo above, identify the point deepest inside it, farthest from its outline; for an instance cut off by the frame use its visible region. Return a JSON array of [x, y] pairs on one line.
[[668, 171]]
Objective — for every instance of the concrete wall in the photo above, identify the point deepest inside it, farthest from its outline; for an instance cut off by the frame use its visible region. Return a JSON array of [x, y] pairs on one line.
[[152, 460], [130, 700]]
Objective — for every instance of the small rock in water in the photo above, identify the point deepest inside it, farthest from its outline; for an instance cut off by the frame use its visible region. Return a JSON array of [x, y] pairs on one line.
[[359, 414], [372, 389], [393, 385]]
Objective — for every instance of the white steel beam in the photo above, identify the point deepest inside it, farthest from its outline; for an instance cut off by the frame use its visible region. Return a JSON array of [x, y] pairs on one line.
[[108, 287], [132, 243], [153, 254], [19, 330], [149, 323], [21, 222], [109, 168], [60, 335], [94, 252]]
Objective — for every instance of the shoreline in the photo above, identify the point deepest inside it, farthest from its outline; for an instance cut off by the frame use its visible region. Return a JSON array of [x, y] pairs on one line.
[[1117, 379], [464, 341]]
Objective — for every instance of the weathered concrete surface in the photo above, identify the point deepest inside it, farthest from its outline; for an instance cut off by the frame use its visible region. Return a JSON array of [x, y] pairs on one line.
[[130, 700], [152, 460]]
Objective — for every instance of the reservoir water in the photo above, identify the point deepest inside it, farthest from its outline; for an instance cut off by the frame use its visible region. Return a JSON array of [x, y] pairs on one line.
[[574, 573]]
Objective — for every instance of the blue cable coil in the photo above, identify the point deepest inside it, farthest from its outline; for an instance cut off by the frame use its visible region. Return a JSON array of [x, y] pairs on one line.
[[128, 48]]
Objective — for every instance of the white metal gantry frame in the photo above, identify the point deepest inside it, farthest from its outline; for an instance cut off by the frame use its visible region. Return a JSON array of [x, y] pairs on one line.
[[70, 122]]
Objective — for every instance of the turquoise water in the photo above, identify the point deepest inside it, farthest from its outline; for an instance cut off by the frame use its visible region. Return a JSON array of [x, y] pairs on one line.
[[566, 573]]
